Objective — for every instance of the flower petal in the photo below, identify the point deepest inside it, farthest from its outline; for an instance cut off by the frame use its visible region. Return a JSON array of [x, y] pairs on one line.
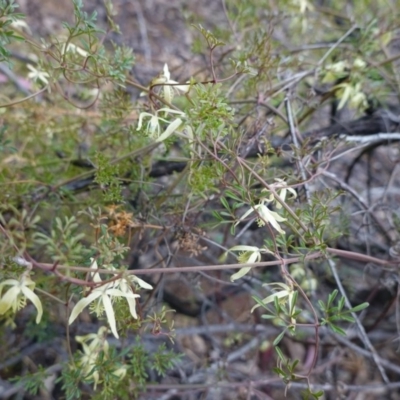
[[35, 300], [242, 272], [9, 300], [141, 282], [141, 116], [110, 314], [272, 217], [172, 127], [254, 257], [244, 248], [166, 72], [247, 213], [132, 307], [81, 304]]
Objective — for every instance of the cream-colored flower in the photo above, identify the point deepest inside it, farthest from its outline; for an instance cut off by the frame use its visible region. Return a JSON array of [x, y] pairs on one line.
[[72, 48], [169, 86], [283, 189], [103, 296], [92, 345], [351, 93], [153, 127], [16, 295], [37, 75], [284, 295], [265, 215], [247, 255]]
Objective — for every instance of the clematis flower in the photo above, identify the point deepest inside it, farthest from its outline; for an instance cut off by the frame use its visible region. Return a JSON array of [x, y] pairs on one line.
[[70, 47], [15, 297], [165, 80], [282, 188], [351, 93], [285, 295], [248, 255], [154, 125], [102, 298], [92, 345], [266, 215], [37, 75]]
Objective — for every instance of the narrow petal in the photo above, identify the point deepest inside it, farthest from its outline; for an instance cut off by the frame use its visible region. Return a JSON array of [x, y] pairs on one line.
[[242, 272], [119, 293], [272, 217], [110, 314], [168, 93], [132, 307], [81, 304], [166, 72], [10, 282], [247, 213], [154, 126], [244, 248], [255, 257], [170, 130], [171, 111], [182, 88], [9, 300], [279, 295], [141, 116], [141, 283], [95, 275], [36, 302]]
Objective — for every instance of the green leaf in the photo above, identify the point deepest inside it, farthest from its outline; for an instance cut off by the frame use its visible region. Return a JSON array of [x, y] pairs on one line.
[[225, 203], [341, 304], [294, 301], [331, 298], [267, 316], [279, 338], [322, 305], [336, 329], [277, 306], [346, 317], [359, 307], [233, 196], [280, 354]]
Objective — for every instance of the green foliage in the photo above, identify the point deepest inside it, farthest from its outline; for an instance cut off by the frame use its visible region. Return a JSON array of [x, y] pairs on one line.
[[334, 314], [163, 360], [5, 144], [33, 382], [107, 176], [64, 243], [7, 35], [91, 177], [210, 115], [70, 379]]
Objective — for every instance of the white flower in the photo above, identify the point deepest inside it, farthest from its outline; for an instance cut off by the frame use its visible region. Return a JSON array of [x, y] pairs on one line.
[[92, 345], [285, 295], [15, 297], [248, 255], [282, 188], [168, 84], [154, 125], [351, 93], [21, 24], [102, 297], [359, 63], [265, 215], [72, 48], [304, 6], [37, 75]]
